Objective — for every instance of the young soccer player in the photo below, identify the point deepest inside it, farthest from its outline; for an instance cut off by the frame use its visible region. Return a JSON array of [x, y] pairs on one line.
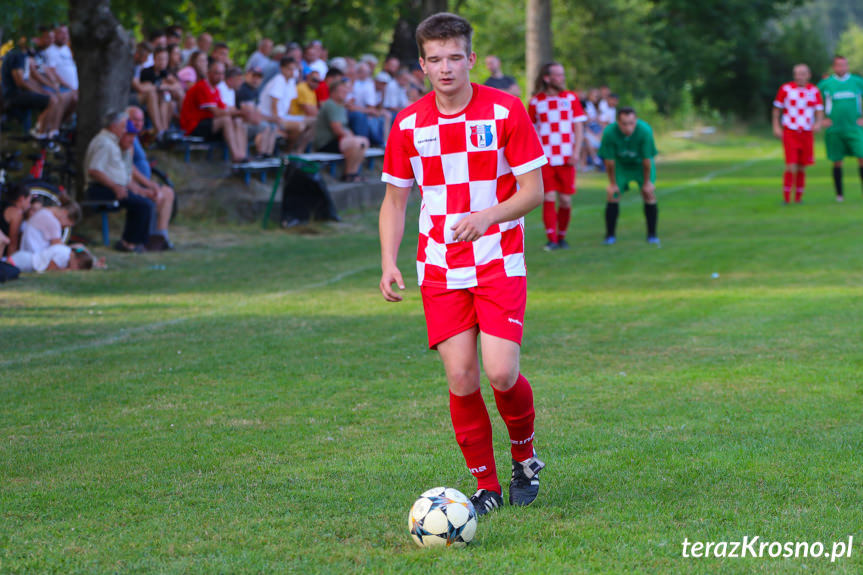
[[476, 158], [843, 105], [628, 150], [558, 117], [799, 103]]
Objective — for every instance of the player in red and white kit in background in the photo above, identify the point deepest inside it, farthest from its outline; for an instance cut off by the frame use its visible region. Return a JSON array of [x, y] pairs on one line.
[[802, 110], [559, 120], [476, 158]]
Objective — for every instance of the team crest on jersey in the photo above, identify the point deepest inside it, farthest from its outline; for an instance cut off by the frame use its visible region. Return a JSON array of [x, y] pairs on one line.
[[481, 136]]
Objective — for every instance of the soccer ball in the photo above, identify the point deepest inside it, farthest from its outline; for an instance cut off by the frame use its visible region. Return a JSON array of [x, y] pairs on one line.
[[442, 516]]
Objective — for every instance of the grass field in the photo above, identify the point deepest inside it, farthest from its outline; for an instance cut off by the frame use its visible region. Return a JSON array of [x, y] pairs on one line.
[[256, 407]]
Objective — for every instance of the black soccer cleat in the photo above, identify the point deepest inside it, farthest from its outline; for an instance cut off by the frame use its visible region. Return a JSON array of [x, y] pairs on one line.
[[485, 501], [524, 486], [562, 244], [551, 246]]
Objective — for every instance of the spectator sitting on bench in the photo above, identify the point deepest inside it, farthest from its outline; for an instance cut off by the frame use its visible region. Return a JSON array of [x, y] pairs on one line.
[[195, 70], [108, 178], [61, 66], [14, 206], [263, 133], [23, 90], [221, 52], [142, 58], [261, 56], [142, 176], [366, 116], [162, 92], [306, 102], [313, 59], [333, 76], [333, 136], [275, 106], [205, 115], [205, 43]]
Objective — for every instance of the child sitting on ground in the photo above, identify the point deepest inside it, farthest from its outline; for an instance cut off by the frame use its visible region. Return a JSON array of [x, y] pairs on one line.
[[57, 257]]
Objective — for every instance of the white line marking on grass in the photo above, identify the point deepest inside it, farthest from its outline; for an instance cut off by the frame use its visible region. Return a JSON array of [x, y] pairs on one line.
[[127, 333]]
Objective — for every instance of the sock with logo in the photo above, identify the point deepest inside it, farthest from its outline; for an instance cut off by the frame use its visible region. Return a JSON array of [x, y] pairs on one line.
[[563, 215], [800, 185], [837, 179], [651, 214], [549, 218], [786, 186], [516, 408], [612, 210], [473, 434]]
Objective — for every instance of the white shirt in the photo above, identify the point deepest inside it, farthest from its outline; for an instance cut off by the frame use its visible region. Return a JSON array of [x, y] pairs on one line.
[[607, 114], [39, 262], [60, 58], [283, 90], [395, 97], [363, 93], [321, 67], [229, 97], [42, 227]]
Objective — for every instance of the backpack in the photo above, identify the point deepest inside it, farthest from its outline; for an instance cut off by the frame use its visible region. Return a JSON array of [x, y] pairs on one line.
[[305, 197]]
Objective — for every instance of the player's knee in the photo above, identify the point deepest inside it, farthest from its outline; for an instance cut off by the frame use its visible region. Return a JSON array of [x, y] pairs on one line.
[[501, 377], [463, 381], [565, 201]]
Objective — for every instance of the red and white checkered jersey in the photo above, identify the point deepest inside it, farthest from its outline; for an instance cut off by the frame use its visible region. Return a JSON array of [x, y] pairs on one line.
[[798, 105], [463, 164], [555, 118]]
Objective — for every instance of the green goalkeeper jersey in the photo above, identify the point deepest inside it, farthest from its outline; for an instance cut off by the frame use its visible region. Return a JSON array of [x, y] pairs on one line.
[[843, 100]]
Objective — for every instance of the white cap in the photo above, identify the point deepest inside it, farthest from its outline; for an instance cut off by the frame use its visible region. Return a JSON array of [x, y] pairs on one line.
[[383, 77]]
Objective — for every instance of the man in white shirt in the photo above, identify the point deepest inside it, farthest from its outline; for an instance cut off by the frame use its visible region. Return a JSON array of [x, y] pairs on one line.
[[261, 56], [365, 115], [275, 103], [59, 57]]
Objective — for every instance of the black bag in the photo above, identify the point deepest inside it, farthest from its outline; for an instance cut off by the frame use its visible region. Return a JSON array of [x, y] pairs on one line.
[[305, 197], [8, 272]]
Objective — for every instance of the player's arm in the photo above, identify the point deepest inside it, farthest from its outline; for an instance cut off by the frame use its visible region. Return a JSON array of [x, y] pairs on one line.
[[578, 134], [392, 228], [529, 196], [777, 128], [819, 120]]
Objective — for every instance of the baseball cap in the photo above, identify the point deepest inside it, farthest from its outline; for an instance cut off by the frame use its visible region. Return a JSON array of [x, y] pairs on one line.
[[130, 127], [383, 77]]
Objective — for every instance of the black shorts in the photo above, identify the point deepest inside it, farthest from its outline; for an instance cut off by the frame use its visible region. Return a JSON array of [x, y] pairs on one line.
[[331, 147], [204, 129], [28, 100]]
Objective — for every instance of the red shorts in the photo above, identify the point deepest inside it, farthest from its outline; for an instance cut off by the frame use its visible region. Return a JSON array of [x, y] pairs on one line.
[[498, 309], [798, 147], [559, 179]]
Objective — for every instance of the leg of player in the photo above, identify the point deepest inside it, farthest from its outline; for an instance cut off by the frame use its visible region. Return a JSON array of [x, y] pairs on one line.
[[837, 180], [564, 213], [651, 213], [788, 181], [549, 219], [612, 211], [800, 183], [470, 417], [514, 399]]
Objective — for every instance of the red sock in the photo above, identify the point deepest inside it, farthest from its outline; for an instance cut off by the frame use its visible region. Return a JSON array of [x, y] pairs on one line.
[[786, 186], [516, 408], [473, 434], [801, 184], [563, 215], [549, 218]]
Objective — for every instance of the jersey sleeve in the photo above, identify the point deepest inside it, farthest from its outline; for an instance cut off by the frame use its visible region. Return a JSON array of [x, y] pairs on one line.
[[521, 146], [648, 146], [818, 103], [578, 114], [531, 111], [606, 146], [778, 102], [398, 170]]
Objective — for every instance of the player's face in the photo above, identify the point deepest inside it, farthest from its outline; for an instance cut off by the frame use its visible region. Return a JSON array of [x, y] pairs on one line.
[[840, 66], [801, 75], [556, 78], [626, 123], [447, 65]]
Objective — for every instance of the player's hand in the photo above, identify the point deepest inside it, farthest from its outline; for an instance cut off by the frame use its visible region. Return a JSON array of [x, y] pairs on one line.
[[572, 160], [777, 131], [613, 190], [826, 123], [860, 121], [649, 190], [388, 278], [470, 228]]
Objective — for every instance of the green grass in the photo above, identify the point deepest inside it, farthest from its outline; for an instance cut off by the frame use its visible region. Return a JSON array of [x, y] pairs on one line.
[[256, 407]]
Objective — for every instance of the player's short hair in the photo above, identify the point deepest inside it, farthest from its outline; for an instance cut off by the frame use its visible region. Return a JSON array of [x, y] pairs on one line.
[[286, 61], [444, 26], [625, 111], [839, 57]]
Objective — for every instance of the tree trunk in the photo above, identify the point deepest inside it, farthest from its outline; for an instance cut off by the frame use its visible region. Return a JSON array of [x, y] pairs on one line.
[[411, 13], [538, 40], [104, 55]]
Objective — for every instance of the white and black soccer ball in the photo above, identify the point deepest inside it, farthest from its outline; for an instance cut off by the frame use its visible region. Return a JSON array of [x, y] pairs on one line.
[[442, 516]]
